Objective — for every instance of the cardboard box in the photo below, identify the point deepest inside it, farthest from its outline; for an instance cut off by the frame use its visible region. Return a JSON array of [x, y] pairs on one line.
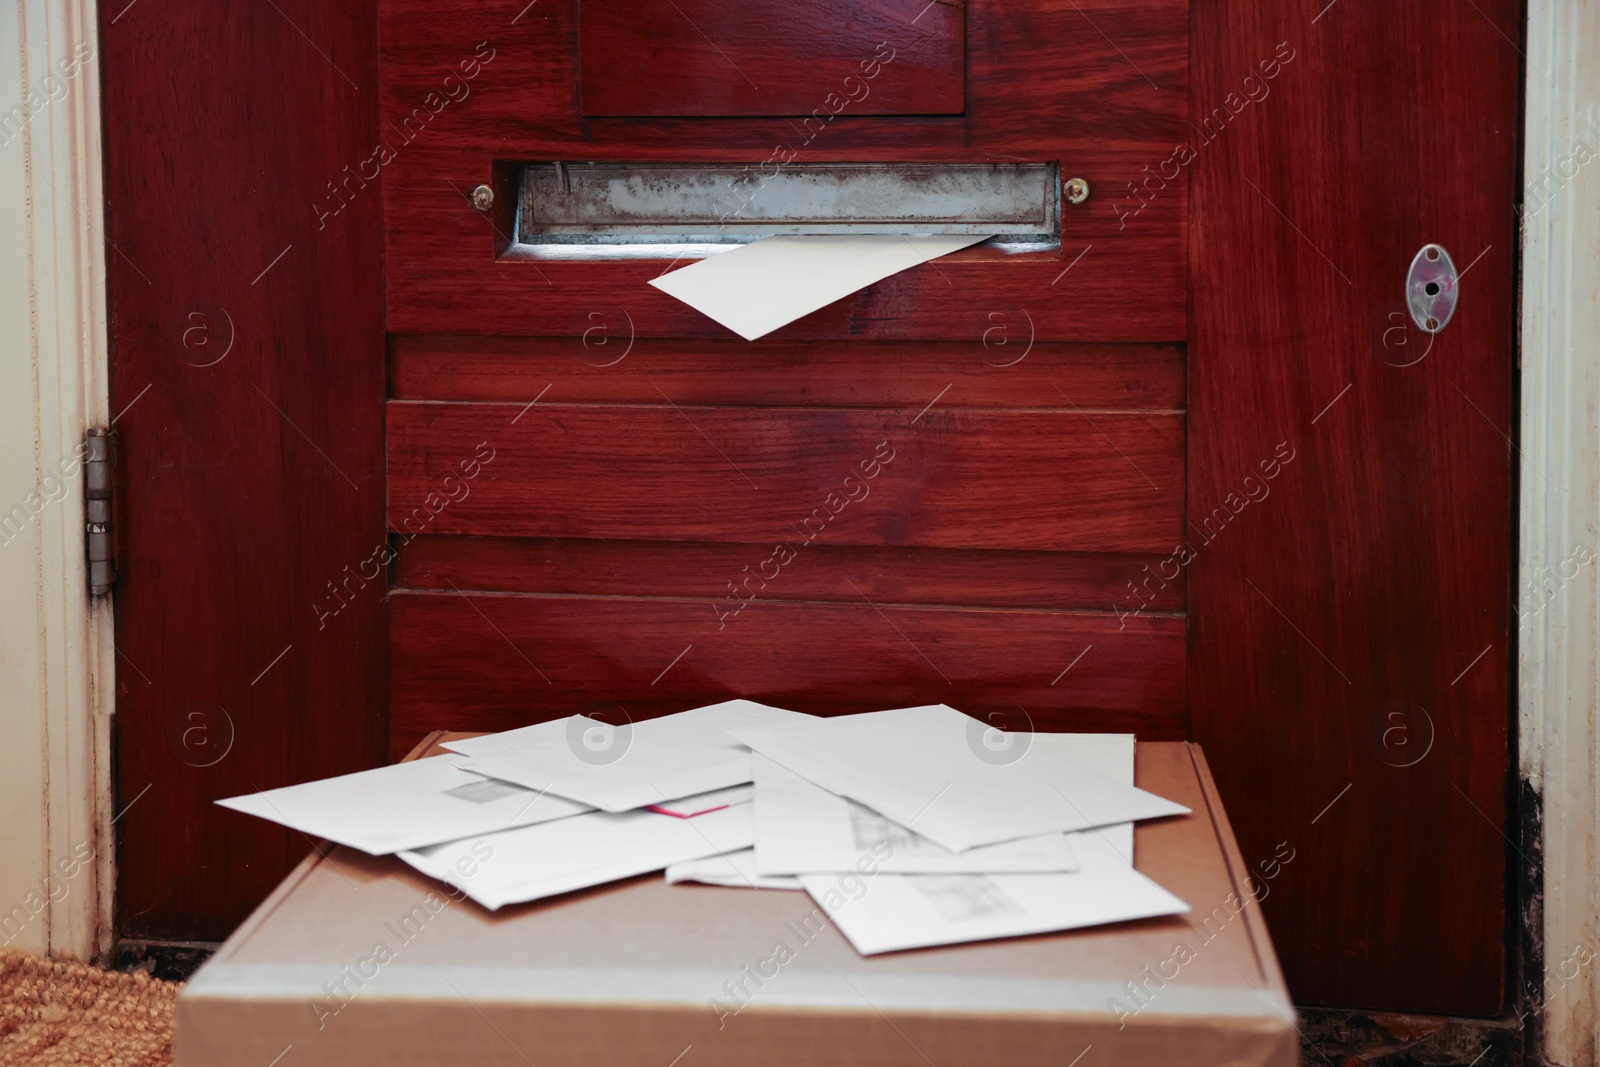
[[356, 959]]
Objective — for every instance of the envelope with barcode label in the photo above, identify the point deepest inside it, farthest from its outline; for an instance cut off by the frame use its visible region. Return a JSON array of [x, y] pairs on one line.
[[932, 770]]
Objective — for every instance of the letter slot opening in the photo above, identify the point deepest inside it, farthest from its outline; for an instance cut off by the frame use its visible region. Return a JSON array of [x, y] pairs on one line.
[[592, 210]]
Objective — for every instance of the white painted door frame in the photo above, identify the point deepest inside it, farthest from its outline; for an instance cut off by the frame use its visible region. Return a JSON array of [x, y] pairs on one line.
[[57, 665], [56, 660], [1558, 623]]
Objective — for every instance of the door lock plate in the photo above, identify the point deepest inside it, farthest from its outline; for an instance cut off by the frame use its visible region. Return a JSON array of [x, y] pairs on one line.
[[1432, 287]]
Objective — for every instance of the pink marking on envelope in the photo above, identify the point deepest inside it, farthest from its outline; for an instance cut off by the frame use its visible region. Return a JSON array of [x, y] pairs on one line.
[[662, 809]]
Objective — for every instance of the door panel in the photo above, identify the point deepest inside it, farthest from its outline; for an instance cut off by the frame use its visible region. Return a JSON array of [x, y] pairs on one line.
[[1063, 479], [540, 657], [247, 378], [769, 57], [994, 551], [947, 487], [983, 578], [1350, 633], [606, 363]]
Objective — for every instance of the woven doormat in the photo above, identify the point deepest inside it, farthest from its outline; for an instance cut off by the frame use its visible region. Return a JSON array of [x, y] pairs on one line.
[[54, 1013]]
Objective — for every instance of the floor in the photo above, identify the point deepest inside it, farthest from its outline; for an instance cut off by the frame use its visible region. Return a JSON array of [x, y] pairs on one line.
[[58, 1013]]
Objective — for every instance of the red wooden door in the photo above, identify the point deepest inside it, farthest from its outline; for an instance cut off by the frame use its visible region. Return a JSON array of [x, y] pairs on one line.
[[1349, 633], [993, 481], [248, 386]]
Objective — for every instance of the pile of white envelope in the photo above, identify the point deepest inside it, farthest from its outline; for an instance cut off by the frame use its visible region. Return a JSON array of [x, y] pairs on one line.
[[909, 828]]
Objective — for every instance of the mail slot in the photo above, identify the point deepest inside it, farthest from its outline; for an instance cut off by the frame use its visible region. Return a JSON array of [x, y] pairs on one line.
[[612, 206]]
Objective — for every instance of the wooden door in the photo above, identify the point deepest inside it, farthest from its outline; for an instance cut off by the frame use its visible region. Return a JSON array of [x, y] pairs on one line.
[[992, 481], [248, 387], [1349, 633]]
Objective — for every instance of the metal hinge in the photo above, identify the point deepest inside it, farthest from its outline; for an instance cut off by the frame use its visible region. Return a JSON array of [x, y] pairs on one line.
[[99, 535]]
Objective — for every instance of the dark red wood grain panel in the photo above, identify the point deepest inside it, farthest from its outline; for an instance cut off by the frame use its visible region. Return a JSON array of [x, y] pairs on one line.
[[1061, 479], [1350, 642], [1004, 367], [732, 573], [248, 378], [473, 661], [769, 57], [1098, 85], [1025, 64]]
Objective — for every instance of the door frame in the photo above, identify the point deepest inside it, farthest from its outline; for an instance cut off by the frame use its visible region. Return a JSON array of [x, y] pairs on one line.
[[1556, 594], [56, 657], [57, 767]]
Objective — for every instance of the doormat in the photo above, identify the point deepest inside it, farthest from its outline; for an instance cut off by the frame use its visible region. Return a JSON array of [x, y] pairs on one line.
[[56, 1013]]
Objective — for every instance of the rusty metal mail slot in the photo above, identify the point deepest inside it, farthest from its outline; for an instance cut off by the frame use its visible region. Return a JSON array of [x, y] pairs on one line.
[[571, 203]]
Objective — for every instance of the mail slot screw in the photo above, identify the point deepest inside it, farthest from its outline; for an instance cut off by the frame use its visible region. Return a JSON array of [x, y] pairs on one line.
[[1076, 190], [482, 197]]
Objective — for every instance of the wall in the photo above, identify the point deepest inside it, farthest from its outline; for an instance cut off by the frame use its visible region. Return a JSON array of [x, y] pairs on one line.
[[55, 665], [1558, 625]]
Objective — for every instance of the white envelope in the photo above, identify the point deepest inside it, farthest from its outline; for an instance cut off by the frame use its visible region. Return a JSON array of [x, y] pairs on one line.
[[1105, 857], [758, 287], [586, 850], [802, 828], [931, 769], [622, 768], [889, 912], [408, 805], [521, 737], [737, 870], [1099, 847]]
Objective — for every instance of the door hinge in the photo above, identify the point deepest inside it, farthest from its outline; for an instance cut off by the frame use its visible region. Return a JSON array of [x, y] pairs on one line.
[[99, 534]]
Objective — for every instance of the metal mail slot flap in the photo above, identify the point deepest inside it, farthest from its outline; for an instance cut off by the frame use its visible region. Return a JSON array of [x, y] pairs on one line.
[[598, 202]]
